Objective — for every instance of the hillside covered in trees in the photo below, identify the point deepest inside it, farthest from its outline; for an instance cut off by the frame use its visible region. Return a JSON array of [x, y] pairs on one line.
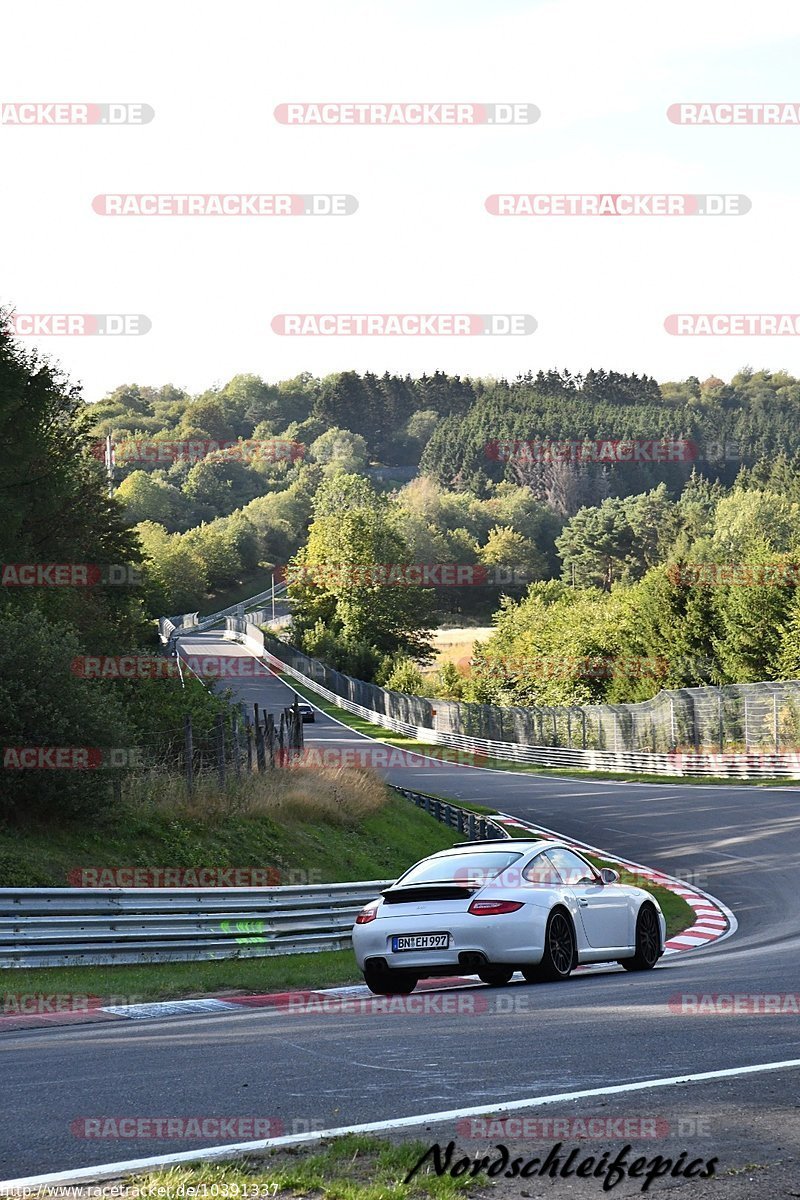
[[440, 469]]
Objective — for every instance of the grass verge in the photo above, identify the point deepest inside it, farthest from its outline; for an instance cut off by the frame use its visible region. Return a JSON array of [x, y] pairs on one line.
[[306, 831], [348, 1168], [142, 982], [305, 826]]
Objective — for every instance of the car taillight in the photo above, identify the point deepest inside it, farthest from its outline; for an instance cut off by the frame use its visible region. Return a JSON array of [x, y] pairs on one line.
[[367, 914], [493, 908]]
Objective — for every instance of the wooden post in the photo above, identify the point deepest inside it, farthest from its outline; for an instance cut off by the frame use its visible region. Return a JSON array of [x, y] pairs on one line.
[[269, 722], [237, 765], [259, 736], [188, 753], [221, 750], [297, 726]]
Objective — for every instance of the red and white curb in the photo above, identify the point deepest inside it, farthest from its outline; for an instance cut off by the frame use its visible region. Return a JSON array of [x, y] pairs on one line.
[[306, 1000], [715, 920]]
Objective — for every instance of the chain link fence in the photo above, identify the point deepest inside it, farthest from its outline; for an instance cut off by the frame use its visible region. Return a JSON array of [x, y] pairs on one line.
[[738, 718]]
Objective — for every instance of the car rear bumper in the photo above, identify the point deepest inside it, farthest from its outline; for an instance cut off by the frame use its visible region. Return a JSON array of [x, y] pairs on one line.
[[513, 938]]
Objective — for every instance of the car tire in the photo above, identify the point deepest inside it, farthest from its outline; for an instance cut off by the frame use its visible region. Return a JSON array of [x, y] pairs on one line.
[[559, 951], [648, 941], [495, 976], [390, 983]]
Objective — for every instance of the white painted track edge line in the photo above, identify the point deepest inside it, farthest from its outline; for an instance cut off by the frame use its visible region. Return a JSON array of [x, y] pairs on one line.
[[111, 1170]]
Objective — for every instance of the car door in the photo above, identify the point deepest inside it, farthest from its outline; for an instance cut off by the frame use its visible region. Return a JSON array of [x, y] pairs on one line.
[[604, 908]]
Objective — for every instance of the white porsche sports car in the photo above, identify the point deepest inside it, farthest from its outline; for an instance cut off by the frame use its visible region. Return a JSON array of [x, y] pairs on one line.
[[495, 907]]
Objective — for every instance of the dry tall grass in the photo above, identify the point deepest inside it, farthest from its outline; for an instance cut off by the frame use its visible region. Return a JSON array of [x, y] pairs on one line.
[[331, 795], [457, 646]]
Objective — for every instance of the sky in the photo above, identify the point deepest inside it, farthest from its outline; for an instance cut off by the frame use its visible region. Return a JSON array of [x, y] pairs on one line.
[[421, 241]]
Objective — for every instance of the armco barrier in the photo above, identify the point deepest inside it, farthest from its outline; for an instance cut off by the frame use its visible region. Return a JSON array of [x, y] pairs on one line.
[[724, 765], [193, 623], [476, 827], [53, 927], [48, 927]]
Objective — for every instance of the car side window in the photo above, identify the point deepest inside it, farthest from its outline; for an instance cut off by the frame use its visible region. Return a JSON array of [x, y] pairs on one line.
[[572, 869], [541, 873]]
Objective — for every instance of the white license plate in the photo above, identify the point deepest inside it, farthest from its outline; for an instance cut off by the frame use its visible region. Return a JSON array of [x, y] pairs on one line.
[[421, 941]]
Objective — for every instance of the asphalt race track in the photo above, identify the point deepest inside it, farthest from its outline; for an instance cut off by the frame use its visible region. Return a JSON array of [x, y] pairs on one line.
[[600, 1030]]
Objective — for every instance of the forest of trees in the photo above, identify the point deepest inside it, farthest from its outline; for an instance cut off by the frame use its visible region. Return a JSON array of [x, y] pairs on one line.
[[591, 543], [689, 567], [70, 587]]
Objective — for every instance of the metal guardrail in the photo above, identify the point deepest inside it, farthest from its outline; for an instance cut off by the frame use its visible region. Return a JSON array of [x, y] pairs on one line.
[[48, 927], [728, 765], [53, 927], [192, 623], [476, 826]]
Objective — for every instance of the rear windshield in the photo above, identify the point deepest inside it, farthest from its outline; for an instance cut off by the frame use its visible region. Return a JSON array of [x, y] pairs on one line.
[[461, 868]]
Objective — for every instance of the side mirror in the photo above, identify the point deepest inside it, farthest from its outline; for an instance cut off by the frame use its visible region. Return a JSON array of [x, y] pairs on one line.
[[609, 876]]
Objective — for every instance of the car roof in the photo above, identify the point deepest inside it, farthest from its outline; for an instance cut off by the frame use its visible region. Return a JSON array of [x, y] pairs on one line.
[[493, 843]]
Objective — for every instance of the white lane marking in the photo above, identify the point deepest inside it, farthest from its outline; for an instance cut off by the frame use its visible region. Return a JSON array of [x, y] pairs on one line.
[[338, 739], [110, 1170]]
